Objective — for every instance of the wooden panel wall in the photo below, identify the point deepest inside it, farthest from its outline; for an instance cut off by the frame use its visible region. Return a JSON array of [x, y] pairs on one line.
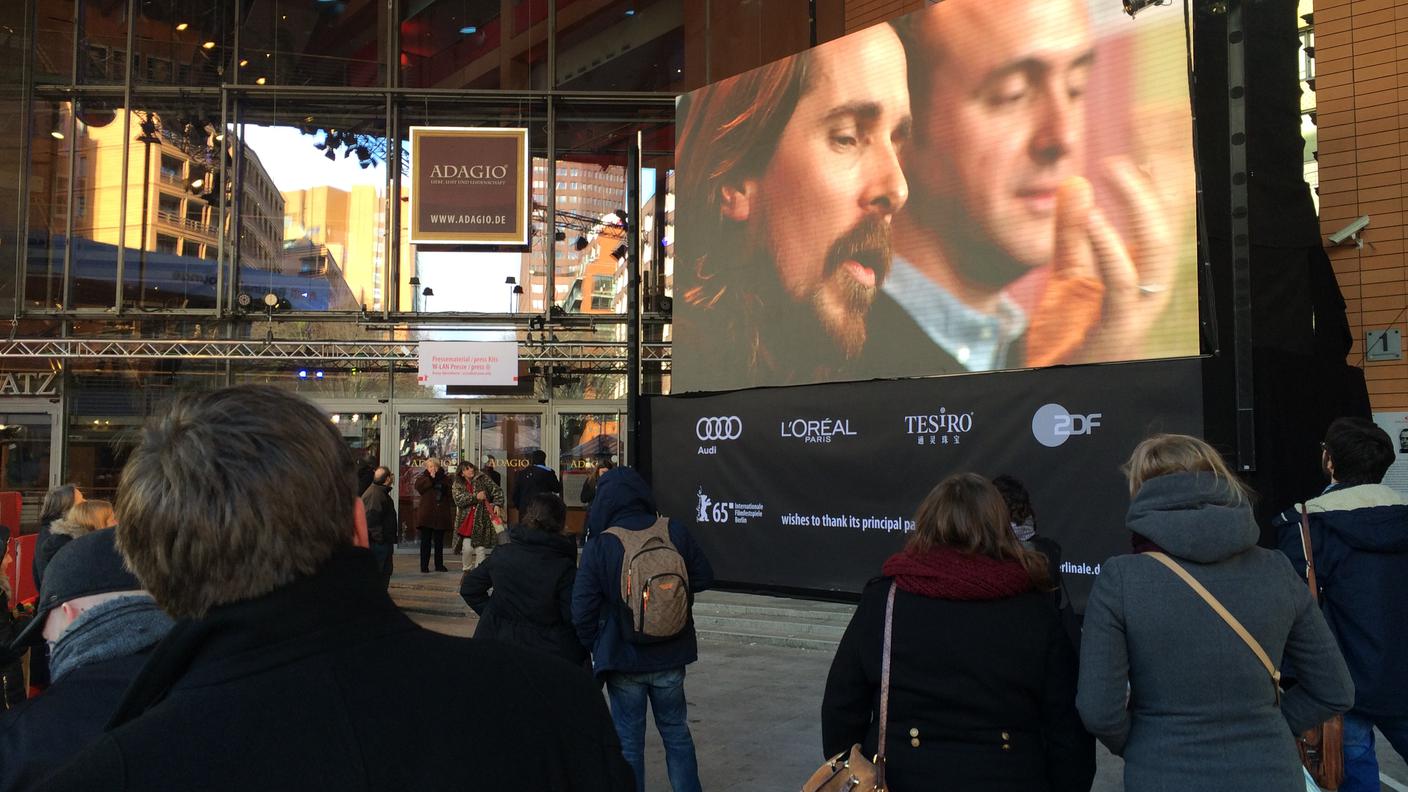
[[1361, 96], [864, 13]]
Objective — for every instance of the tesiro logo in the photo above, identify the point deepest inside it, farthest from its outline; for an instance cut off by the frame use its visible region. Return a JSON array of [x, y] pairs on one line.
[[1052, 424], [812, 430], [944, 427]]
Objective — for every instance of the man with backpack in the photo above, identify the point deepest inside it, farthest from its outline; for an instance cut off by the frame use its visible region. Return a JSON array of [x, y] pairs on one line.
[[631, 607]]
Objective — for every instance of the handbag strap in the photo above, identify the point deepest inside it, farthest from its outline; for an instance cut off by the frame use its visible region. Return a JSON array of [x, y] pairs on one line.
[[1231, 620], [885, 689], [1309, 554]]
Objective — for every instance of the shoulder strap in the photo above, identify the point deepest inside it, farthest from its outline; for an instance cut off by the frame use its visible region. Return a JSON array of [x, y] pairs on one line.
[[885, 689], [1309, 554], [1226, 616]]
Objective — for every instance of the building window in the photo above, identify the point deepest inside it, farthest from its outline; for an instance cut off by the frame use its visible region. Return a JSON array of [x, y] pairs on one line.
[[165, 244]]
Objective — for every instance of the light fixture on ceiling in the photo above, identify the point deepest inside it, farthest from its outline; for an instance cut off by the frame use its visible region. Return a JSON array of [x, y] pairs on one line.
[[181, 26], [209, 45], [260, 81], [469, 30]]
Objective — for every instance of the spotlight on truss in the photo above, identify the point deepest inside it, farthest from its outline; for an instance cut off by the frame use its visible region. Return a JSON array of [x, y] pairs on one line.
[[1133, 7]]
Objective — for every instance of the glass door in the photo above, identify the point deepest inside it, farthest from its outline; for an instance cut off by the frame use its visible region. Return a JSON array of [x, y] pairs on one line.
[[586, 441], [29, 461], [422, 436], [503, 442]]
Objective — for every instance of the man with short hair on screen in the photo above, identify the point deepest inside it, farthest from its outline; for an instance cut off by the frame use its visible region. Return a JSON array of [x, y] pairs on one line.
[[999, 188], [791, 176]]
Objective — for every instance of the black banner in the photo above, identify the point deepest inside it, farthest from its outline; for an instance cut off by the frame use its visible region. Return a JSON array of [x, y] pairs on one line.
[[812, 487]]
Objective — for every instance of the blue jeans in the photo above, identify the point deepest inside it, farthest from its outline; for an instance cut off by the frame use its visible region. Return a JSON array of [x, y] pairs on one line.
[[665, 690], [1361, 766]]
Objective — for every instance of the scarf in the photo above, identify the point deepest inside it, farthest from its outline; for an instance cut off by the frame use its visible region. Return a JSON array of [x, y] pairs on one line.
[[111, 629], [946, 573]]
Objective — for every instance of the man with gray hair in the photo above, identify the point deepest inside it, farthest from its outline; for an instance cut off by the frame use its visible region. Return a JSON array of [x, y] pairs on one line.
[[101, 627], [380, 508], [284, 669]]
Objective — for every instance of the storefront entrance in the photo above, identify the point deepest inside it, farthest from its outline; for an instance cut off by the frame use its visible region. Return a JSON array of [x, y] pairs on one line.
[[576, 436], [29, 454]]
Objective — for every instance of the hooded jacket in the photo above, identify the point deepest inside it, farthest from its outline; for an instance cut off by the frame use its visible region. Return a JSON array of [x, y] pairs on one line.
[[531, 578], [601, 619], [1359, 535], [1200, 711]]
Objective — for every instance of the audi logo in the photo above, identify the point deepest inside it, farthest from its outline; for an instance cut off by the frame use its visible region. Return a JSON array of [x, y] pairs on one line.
[[726, 428]]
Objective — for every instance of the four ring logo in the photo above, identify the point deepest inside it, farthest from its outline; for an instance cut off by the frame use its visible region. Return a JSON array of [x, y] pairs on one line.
[[722, 428], [1052, 424]]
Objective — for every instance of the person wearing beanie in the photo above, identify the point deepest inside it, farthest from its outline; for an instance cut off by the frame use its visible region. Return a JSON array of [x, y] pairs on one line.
[[100, 626]]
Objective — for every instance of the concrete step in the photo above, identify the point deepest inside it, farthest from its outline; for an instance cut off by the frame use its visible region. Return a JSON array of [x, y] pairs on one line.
[[774, 621]]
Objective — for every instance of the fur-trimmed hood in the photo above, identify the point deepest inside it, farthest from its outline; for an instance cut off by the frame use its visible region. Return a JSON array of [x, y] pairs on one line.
[[65, 527], [1369, 517]]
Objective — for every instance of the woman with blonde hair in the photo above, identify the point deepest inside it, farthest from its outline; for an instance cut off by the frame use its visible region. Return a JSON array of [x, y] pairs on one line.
[[981, 674], [1165, 681], [84, 517]]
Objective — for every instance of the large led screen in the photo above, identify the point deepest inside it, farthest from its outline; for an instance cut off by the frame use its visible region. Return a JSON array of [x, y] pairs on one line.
[[981, 185]]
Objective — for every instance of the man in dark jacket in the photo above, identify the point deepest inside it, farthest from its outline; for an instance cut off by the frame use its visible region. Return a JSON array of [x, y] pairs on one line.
[[1359, 537], [535, 478], [635, 672], [435, 511], [102, 627], [381, 520], [275, 675]]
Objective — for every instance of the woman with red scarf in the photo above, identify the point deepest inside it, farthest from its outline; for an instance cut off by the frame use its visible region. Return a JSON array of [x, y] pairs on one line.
[[982, 679]]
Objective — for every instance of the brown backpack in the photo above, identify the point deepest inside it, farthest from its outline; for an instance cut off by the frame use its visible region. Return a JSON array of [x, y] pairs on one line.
[[654, 583]]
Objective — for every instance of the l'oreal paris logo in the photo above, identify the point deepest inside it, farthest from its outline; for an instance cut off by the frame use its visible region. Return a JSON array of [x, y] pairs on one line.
[[821, 430]]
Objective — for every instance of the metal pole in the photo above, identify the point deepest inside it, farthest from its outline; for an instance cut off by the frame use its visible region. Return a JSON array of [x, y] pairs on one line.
[[1241, 240], [27, 149], [126, 160], [632, 297]]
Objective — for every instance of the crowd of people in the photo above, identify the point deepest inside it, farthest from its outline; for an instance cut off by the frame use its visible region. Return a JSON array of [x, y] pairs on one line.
[[209, 642]]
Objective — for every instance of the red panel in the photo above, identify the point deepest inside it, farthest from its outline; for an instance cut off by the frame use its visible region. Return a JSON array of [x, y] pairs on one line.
[[10, 511], [21, 553]]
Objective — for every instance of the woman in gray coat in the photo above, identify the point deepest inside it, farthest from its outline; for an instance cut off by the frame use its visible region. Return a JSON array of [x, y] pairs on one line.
[[1164, 681]]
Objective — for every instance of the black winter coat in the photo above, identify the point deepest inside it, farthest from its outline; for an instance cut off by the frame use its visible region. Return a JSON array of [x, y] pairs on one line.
[[381, 514], [43, 733], [435, 509], [290, 691], [531, 605], [966, 679], [531, 481]]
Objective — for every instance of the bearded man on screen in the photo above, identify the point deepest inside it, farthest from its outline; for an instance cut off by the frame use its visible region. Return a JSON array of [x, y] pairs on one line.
[[1001, 187], [789, 178]]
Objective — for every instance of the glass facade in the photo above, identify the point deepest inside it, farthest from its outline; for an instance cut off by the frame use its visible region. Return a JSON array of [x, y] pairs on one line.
[[235, 173]]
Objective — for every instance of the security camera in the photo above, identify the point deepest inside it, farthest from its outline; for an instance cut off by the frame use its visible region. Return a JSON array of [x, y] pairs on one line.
[[1352, 230]]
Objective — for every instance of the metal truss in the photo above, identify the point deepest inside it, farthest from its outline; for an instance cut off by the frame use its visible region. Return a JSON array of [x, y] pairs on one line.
[[404, 352]]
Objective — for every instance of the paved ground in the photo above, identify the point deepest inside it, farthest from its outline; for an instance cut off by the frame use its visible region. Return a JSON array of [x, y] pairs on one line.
[[754, 710]]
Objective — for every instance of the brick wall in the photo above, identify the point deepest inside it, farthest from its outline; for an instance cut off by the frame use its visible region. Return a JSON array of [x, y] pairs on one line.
[[1361, 60]]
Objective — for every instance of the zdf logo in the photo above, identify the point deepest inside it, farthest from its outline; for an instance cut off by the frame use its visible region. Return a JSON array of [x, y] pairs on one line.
[[1052, 424], [722, 428]]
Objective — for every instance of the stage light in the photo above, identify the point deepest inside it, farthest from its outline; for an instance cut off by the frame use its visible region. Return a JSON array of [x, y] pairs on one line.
[[427, 292], [581, 243], [303, 373], [209, 45], [619, 252], [415, 280], [560, 235], [1133, 7], [244, 62], [197, 182], [336, 418], [468, 30], [510, 280], [181, 27], [318, 374], [56, 133], [260, 81]]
